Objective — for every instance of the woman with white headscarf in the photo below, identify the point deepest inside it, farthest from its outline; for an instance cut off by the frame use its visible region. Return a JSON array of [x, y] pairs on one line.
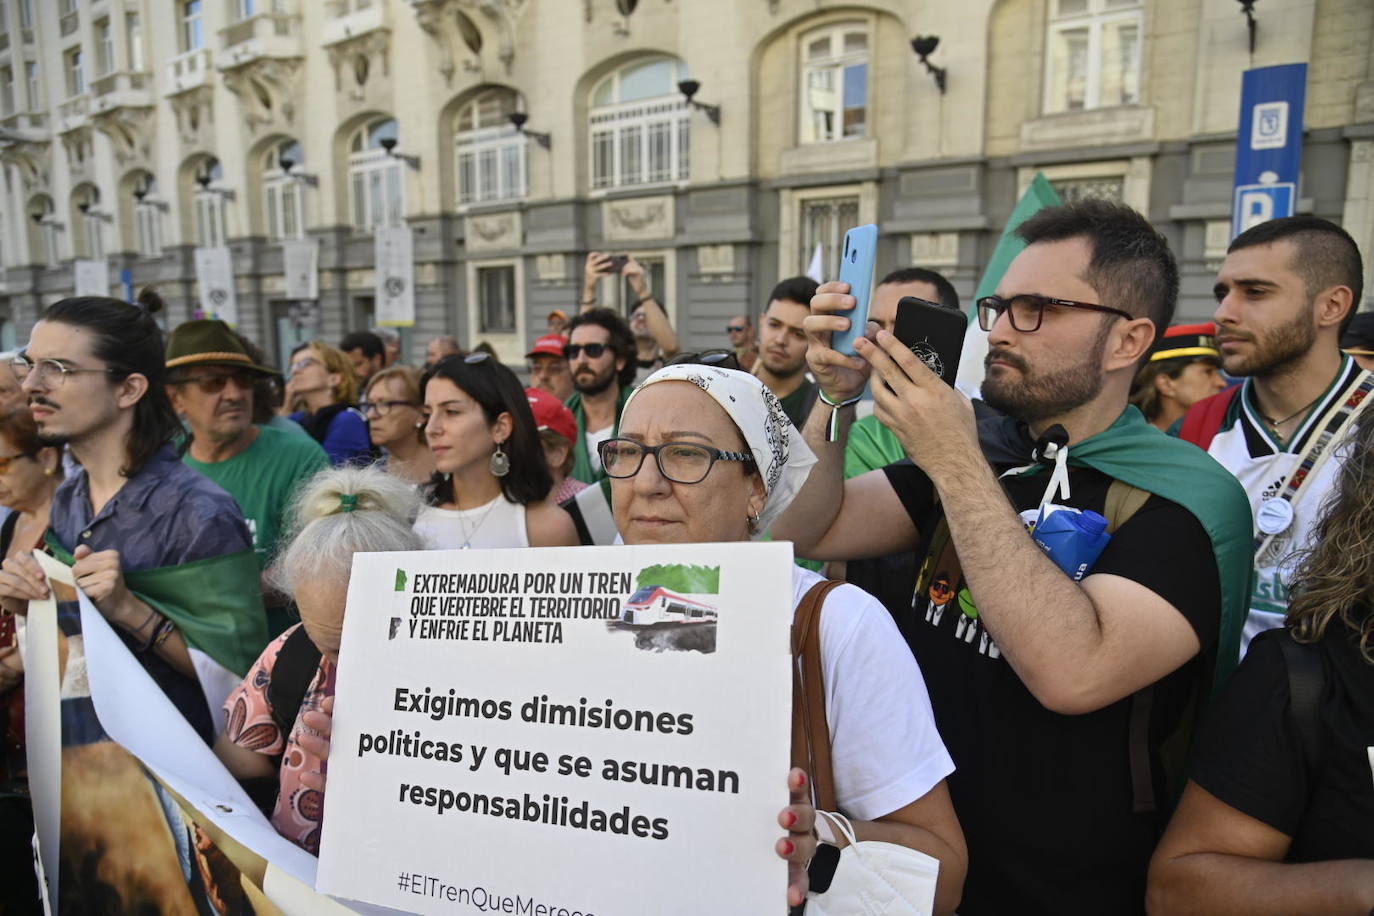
[[706, 454]]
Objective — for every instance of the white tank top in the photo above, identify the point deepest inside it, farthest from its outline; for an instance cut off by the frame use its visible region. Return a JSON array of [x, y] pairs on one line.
[[499, 523]]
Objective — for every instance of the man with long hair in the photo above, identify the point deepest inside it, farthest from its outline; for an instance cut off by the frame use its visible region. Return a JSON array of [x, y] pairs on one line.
[[132, 516]]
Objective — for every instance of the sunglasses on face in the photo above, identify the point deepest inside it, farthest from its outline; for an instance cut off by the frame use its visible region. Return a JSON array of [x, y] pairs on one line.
[[735, 328], [214, 384], [593, 350]]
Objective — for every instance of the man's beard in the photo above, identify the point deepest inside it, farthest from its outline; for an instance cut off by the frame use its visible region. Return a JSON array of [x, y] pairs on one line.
[[55, 440], [1036, 397], [1276, 350], [598, 383]]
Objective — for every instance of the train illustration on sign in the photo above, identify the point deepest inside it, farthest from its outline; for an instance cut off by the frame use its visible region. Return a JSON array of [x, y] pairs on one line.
[[654, 604]]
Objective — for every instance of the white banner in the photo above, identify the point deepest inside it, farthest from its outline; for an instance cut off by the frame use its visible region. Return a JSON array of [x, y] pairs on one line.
[[301, 264], [592, 730], [92, 277], [395, 294], [215, 282]]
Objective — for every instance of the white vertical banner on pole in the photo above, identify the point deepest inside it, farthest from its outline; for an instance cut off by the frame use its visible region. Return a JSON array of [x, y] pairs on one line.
[[395, 302], [215, 281], [301, 264], [92, 277]]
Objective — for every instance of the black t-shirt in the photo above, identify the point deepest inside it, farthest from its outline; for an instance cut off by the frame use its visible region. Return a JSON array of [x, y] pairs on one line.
[[1046, 800], [1251, 757]]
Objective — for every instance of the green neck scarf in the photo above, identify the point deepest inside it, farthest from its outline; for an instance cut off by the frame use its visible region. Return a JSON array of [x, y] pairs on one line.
[[216, 603], [582, 459], [1134, 452]]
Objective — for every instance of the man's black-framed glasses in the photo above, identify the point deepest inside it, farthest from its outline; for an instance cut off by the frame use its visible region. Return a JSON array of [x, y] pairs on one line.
[[680, 462], [49, 373], [1027, 311]]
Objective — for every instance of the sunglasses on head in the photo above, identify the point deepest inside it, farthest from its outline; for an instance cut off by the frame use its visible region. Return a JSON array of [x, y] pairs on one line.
[[721, 359], [593, 350]]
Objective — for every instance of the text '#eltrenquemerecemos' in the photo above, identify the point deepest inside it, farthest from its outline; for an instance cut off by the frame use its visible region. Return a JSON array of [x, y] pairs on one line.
[[510, 607]]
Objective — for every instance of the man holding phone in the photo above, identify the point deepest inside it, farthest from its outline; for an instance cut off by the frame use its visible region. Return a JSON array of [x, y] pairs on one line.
[[1055, 695], [655, 321]]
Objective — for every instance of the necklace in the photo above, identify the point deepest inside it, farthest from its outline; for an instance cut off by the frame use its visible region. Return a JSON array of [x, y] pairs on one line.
[[1275, 424], [469, 534]]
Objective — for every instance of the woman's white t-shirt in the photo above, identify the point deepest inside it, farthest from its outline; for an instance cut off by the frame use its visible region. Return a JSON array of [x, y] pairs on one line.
[[499, 523], [884, 746]]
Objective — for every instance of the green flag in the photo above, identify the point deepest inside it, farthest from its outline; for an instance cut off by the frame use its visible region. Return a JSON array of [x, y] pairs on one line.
[[1039, 195]]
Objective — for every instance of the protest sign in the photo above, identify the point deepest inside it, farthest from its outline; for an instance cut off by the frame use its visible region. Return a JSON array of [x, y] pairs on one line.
[[133, 811], [588, 730]]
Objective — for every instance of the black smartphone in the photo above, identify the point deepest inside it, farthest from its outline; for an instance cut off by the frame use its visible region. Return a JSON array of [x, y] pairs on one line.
[[934, 332], [618, 262]]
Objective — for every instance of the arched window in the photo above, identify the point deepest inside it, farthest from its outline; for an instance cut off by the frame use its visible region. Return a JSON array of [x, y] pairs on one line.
[[43, 240], [491, 152], [211, 222], [1092, 54], [281, 193], [834, 90], [87, 217], [640, 125], [376, 179], [148, 216]]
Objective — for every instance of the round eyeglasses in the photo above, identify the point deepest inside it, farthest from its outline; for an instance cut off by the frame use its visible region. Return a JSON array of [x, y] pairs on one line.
[[680, 462], [47, 373]]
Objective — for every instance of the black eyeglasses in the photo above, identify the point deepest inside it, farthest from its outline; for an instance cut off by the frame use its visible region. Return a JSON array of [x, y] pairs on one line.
[[1027, 311], [593, 350], [680, 462], [735, 328], [214, 384], [721, 359]]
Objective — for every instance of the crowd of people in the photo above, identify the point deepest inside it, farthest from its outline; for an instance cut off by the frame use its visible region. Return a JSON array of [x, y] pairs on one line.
[[1181, 720]]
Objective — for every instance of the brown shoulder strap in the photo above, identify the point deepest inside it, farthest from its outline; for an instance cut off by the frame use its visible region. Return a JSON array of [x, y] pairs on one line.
[[810, 731], [1123, 501]]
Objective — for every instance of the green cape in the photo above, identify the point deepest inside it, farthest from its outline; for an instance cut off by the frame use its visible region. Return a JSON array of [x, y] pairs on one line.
[[582, 460], [216, 603], [1134, 452]]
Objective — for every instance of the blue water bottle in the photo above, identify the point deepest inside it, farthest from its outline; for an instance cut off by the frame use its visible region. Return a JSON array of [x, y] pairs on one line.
[[1073, 539]]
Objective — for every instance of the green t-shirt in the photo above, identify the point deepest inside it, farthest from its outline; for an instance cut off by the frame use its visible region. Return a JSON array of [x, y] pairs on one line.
[[871, 446], [797, 405], [263, 478]]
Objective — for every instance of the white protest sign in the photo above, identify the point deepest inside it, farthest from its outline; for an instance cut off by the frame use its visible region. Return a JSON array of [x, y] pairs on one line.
[[92, 277], [563, 730], [215, 282], [300, 264], [395, 271]]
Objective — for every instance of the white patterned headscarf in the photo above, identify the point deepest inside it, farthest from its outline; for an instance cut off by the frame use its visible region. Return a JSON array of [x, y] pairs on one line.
[[782, 455]]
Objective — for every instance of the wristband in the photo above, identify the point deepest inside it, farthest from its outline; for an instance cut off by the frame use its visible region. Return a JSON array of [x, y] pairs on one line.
[[832, 428]]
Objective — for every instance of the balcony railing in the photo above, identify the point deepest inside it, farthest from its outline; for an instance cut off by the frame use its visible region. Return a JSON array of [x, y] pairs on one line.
[[122, 89], [119, 80], [273, 35], [189, 70], [72, 113], [25, 122], [351, 19], [68, 23]]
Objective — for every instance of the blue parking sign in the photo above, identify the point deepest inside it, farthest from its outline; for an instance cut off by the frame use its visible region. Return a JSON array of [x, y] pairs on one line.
[[1268, 145]]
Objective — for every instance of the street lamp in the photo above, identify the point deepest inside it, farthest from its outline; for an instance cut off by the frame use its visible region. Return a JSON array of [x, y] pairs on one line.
[[924, 46], [689, 88]]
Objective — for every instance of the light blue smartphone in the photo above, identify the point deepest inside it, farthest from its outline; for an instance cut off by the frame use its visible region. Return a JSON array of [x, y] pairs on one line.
[[856, 268]]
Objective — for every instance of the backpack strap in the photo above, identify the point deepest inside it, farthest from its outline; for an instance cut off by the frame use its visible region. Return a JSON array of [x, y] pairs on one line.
[[1204, 419], [1123, 502], [295, 668], [1306, 680], [810, 731]]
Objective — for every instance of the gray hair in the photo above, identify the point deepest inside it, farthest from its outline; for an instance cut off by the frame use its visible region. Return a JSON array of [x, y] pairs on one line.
[[339, 512]]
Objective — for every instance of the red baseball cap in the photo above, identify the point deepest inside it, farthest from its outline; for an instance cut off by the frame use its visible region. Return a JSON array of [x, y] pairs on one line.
[[550, 413], [548, 345]]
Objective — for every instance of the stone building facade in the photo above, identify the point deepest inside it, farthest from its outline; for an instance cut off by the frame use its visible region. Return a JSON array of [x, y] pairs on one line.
[[139, 130]]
